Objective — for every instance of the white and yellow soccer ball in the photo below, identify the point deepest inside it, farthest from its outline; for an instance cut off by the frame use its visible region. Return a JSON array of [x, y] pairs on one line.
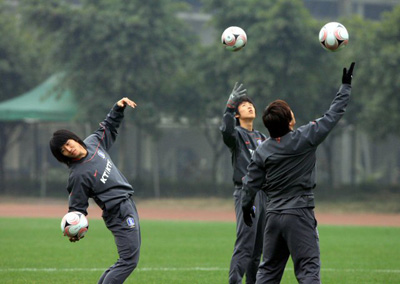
[[333, 36], [234, 38], [74, 224]]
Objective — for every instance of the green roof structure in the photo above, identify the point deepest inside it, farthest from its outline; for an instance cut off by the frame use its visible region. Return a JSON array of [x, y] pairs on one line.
[[46, 102]]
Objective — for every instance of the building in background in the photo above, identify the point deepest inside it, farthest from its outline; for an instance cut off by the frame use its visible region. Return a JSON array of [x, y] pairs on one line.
[[333, 9]]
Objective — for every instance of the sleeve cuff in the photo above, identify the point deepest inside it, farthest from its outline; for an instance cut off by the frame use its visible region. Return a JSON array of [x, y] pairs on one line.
[[230, 110], [116, 107]]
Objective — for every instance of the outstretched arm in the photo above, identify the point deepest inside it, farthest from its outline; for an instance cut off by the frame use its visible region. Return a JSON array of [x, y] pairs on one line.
[[229, 121], [316, 131], [107, 133]]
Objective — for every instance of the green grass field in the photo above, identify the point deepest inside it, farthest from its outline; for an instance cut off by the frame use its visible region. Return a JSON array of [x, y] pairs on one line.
[[34, 251]]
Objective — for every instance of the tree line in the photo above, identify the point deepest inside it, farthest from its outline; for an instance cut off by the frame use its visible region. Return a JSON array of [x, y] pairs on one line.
[[108, 49]]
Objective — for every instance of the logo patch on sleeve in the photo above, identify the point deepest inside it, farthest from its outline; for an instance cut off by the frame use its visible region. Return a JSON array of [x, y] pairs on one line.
[[101, 154], [131, 222]]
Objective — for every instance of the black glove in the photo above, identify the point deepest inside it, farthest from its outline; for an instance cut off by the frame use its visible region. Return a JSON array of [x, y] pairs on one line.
[[235, 96], [348, 75], [248, 215]]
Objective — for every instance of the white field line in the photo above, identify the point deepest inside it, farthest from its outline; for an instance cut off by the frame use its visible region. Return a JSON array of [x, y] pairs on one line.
[[145, 269]]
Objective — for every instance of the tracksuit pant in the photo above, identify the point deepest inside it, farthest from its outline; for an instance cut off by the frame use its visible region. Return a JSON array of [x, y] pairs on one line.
[[290, 232], [249, 240], [123, 222]]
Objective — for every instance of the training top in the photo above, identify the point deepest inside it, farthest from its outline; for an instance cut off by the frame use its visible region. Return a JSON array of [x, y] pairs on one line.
[[284, 167], [241, 142], [96, 176]]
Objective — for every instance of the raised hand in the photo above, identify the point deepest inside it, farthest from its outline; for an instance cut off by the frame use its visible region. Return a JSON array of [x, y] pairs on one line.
[[126, 102], [235, 96], [348, 75]]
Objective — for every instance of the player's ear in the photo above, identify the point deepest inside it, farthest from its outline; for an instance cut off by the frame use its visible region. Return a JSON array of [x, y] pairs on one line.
[[292, 122], [237, 115]]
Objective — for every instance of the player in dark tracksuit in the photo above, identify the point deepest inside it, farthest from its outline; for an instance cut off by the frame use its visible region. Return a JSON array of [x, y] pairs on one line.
[[284, 168], [239, 135], [94, 175]]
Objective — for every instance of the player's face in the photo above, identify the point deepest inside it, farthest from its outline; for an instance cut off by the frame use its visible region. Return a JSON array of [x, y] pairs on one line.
[[73, 149], [246, 110]]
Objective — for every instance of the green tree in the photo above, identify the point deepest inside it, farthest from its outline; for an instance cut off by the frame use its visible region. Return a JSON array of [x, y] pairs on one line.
[[282, 60], [200, 94], [109, 49], [361, 32], [19, 71], [380, 84], [114, 48], [17, 53]]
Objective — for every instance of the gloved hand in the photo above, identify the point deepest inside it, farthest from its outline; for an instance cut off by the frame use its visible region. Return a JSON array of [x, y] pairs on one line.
[[248, 215], [348, 75], [235, 96]]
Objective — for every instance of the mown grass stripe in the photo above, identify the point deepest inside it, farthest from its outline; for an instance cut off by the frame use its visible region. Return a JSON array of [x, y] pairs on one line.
[[395, 271]]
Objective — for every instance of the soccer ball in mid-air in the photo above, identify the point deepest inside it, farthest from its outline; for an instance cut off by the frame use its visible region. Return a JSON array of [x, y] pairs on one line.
[[74, 224], [333, 36], [234, 38]]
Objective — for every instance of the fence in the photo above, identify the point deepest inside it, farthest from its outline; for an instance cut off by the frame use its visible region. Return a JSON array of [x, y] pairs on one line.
[[177, 162]]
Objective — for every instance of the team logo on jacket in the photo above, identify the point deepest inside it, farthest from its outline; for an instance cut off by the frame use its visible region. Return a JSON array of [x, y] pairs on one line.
[[131, 222], [101, 154]]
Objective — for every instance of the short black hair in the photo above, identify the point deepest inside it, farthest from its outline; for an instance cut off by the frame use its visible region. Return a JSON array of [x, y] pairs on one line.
[[240, 101], [60, 137], [277, 117]]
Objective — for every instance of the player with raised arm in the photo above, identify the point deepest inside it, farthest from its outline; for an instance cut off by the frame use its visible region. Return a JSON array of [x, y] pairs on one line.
[[242, 140], [284, 168], [94, 175]]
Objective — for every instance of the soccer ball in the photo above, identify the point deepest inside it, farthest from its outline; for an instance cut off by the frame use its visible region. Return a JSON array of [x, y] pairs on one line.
[[234, 38], [333, 36], [74, 224]]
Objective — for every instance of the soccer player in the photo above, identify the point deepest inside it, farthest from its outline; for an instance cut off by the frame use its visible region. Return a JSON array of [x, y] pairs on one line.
[[284, 168], [94, 175], [241, 139]]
